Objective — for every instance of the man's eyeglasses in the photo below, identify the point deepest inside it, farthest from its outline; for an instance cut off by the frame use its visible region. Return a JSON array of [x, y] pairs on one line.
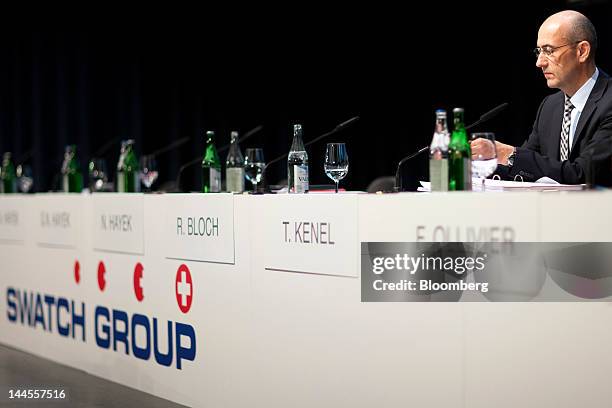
[[548, 50]]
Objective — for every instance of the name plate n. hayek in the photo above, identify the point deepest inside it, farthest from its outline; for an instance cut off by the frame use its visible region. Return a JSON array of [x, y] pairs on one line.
[[118, 223]]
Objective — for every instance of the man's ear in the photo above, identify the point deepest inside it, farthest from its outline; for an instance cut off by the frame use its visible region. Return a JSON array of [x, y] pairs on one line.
[[584, 50]]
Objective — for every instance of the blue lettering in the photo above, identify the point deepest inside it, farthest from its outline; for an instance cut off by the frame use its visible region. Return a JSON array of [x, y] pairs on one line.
[[120, 336], [62, 304], [78, 320], [162, 359], [103, 342], [25, 306], [50, 301], [10, 293], [39, 316], [142, 353], [181, 352]]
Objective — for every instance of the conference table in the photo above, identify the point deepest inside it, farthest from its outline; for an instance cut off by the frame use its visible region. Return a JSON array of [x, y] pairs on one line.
[[232, 300]]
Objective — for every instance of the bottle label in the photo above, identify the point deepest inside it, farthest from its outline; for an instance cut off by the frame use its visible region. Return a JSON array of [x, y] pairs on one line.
[[65, 184], [136, 179], [215, 180], [235, 179], [438, 174], [467, 174], [120, 182], [300, 178]]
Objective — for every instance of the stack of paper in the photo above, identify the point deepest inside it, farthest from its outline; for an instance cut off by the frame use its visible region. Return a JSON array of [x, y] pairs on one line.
[[544, 184]]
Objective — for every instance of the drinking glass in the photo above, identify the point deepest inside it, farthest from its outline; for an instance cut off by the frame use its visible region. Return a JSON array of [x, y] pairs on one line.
[[25, 180], [336, 162], [254, 164], [98, 174], [484, 164], [148, 171]]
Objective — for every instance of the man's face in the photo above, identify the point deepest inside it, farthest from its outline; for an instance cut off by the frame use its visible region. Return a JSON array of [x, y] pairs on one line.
[[559, 67]]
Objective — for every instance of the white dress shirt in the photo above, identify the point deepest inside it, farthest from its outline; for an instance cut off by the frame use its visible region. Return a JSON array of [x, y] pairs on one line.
[[579, 100]]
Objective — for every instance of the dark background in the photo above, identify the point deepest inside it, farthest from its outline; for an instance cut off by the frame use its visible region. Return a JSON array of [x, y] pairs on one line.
[[157, 79]]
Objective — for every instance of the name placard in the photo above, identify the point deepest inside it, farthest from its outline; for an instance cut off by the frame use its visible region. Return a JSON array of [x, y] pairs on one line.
[[58, 220], [118, 223], [12, 219], [200, 227], [311, 233], [449, 217]]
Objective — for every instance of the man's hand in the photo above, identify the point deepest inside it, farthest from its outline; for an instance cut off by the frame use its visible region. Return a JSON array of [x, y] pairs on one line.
[[483, 149]]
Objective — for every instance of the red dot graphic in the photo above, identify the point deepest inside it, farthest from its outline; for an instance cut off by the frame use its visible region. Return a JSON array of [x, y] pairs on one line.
[[101, 277], [77, 271], [138, 275]]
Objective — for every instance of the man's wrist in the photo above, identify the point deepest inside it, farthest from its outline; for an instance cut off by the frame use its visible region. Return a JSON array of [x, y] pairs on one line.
[[508, 156]]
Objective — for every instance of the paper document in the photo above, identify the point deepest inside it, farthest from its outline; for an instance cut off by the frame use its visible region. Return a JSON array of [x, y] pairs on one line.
[[503, 185]]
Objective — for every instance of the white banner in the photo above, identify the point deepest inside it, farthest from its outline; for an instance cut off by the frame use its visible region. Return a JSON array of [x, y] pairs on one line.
[[312, 233], [200, 227], [117, 223]]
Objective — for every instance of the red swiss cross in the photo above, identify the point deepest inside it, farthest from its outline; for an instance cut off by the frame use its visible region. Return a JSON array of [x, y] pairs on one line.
[[183, 288]]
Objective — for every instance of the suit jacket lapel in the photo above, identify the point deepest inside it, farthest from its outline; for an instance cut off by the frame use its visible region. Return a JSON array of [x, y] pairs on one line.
[[557, 119], [591, 105]]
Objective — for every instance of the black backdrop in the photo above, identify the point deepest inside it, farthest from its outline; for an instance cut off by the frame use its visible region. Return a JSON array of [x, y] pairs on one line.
[[159, 80]]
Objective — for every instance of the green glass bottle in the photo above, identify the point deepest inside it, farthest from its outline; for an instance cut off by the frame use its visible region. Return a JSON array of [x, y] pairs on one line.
[[72, 177], [211, 166], [8, 176], [127, 169], [459, 156]]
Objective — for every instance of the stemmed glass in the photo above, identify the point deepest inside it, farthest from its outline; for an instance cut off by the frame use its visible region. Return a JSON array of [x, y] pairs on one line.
[[98, 174], [254, 164], [336, 162], [25, 180], [485, 163], [148, 171]]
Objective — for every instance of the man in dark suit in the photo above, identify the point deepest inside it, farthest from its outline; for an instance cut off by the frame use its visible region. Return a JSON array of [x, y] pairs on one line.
[[571, 140]]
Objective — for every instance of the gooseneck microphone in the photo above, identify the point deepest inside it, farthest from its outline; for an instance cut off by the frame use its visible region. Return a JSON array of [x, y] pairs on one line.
[[173, 145], [198, 159], [398, 181], [489, 115], [335, 130], [483, 118]]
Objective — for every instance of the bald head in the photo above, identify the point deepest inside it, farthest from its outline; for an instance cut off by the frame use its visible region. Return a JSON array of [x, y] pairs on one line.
[[574, 27]]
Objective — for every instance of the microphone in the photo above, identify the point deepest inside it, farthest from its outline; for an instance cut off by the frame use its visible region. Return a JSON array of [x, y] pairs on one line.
[[483, 118], [102, 150], [489, 115], [171, 146], [398, 180], [335, 130], [198, 159]]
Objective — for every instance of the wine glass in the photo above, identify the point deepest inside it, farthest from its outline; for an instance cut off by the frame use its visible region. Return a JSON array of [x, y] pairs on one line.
[[148, 171], [25, 180], [254, 164], [98, 174], [485, 163], [336, 162]]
